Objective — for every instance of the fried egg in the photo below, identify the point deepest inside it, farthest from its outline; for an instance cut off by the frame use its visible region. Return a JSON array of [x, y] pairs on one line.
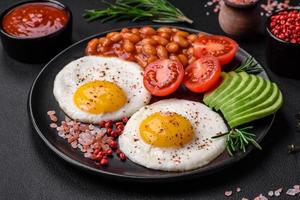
[[173, 135], [92, 89]]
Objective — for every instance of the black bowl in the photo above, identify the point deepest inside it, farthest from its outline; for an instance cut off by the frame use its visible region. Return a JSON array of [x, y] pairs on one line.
[[37, 49], [282, 57]]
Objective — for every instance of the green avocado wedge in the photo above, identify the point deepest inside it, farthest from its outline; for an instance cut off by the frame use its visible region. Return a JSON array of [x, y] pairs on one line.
[[217, 100], [246, 91], [209, 96], [257, 115], [264, 96], [238, 88], [268, 102]]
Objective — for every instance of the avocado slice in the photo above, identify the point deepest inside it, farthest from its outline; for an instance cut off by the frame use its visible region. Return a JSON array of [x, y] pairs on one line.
[[259, 105], [245, 79], [246, 91], [264, 96], [236, 79], [257, 115], [209, 96]]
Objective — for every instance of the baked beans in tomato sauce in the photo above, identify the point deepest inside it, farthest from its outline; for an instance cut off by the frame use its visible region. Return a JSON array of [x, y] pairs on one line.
[[145, 45], [32, 20]]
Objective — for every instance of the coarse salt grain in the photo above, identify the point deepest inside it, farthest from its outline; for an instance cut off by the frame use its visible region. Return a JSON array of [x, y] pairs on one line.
[[277, 192], [270, 193], [51, 112], [244, 198], [238, 189], [228, 193], [53, 125], [291, 192]]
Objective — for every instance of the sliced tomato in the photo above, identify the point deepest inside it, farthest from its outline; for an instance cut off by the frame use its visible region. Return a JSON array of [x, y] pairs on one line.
[[221, 47], [203, 74], [163, 77]]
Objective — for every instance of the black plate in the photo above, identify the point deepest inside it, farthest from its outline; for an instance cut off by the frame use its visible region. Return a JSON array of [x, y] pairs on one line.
[[41, 100]]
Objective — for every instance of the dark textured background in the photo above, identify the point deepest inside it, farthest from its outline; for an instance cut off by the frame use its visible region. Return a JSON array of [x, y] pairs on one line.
[[29, 170]]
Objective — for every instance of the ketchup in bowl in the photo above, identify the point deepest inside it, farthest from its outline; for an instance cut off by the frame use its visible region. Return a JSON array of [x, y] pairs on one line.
[[32, 20]]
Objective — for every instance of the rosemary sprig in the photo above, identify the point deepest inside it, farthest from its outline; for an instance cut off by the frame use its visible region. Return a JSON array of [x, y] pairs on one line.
[[239, 139], [250, 66], [160, 11]]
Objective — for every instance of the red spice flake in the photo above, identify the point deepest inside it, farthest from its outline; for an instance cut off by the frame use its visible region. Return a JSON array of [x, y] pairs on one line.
[[95, 142], [228, 193]]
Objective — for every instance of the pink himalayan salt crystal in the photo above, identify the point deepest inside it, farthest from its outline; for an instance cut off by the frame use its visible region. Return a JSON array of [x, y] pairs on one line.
[[238, 189], [261, 197], [228, 193]]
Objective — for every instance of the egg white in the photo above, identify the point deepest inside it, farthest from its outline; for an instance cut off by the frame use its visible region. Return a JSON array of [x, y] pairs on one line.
[[127, 75], [199, 152]]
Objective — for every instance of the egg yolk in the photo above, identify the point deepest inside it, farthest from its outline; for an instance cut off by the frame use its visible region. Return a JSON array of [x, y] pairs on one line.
[[98, 97], [166, 130]]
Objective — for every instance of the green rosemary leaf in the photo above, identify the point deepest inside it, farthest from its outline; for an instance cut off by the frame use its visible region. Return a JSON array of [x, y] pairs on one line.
[[250, 66], [238, 140], [156, 10]]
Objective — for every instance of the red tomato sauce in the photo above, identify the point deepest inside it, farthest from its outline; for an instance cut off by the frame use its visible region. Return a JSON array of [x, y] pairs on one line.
[[34, 20]]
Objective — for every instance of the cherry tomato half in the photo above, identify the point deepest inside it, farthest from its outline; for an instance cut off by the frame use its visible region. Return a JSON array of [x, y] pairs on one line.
[[203, 74], [221, 47], [163, 77]]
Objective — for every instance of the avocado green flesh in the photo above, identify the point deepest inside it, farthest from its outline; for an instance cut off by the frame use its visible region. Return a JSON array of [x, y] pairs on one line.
[[236, 80], [257, 103], [238, 88], [257, 115], [268, 102], [208, 97], [247, 90]]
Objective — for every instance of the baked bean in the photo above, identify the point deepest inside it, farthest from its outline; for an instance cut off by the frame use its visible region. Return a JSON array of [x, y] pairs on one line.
[[149, 49], [164, 29], [172, 47], [190, 51], [174, 57], [109, 35], [147, 30], [162, 52], [149, 41], [181, 41], [92, 46], [165, 35], [183, 59], [102, 49], [160, 40], [125, 30], [128, 46], [192, 59], [192, 37], [134, 38], [174, 30], [139, 47], [106, 42], [116, 37], [152, 59], [141, 60], [100, 40], [182, 33], [135, 30]]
